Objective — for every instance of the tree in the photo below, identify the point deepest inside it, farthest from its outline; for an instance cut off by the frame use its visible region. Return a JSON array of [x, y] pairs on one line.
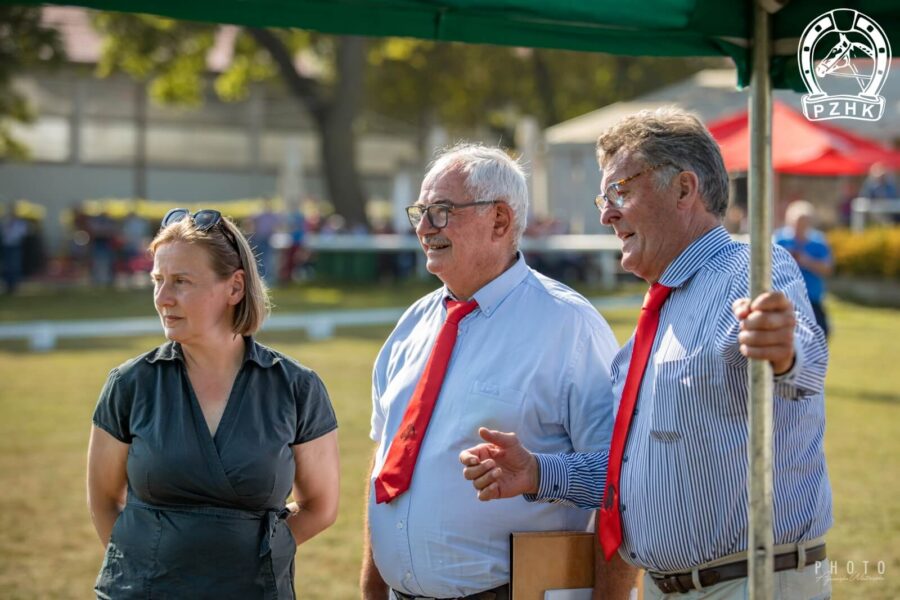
[[465, 85], [461, 86], [24, 44], [170, 56]]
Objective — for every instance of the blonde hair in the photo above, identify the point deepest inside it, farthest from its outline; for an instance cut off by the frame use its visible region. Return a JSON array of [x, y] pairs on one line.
[[228, 251]]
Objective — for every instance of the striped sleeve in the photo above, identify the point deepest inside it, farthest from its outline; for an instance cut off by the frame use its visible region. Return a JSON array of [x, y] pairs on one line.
[[576, 479]]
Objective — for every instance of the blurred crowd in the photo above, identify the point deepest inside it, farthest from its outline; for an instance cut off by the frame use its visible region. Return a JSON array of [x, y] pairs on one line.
[[106, 248]]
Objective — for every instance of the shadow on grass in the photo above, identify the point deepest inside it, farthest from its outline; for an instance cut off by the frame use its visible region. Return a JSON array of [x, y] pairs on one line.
[[864, 395]]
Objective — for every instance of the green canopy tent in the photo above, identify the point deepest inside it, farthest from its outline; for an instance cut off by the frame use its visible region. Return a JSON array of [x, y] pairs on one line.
[[761, 36], [645, 27]]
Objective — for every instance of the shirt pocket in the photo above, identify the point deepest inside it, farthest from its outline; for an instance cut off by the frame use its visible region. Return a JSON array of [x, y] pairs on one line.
[[491, 405], [686, 391]]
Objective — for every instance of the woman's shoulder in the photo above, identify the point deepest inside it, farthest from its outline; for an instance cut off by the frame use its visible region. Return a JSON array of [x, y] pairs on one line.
[[267, 357], [144, 364]]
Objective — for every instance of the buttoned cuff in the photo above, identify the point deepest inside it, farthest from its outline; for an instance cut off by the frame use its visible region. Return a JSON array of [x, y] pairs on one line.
[[554, 480], [792, 383]]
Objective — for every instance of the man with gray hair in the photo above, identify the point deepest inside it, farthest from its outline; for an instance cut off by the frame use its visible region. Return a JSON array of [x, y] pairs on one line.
[[672, 486], [498, 344]]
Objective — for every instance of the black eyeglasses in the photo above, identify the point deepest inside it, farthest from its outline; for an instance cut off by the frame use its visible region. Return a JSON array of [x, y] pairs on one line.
[[203, 220], [613, 194], [438, 214]]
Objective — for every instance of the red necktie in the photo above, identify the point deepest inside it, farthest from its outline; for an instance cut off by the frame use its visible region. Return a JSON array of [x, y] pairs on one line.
[[396, 474], [610, 523]]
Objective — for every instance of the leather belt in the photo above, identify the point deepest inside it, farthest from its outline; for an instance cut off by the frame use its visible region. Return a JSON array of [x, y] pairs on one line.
[[684, 582], [497, 593]]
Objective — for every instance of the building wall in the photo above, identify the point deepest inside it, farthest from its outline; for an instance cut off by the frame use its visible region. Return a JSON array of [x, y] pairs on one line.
[[573, 182], [85, 145]]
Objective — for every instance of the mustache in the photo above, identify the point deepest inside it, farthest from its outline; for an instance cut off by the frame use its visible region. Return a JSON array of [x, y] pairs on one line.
[[435, 239]]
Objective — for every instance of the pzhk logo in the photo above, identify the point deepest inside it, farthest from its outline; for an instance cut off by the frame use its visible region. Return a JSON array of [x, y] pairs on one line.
[[856, 43]]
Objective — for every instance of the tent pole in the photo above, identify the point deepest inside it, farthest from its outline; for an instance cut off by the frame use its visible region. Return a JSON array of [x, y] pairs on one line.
[[760, 541]]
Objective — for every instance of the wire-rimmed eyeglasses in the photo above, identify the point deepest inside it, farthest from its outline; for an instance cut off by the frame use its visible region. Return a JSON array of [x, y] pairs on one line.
[[438, 214], [613, 194]]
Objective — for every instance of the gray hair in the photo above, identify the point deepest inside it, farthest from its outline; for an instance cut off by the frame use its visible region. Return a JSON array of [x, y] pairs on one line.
[[676, 137], [491, 174]]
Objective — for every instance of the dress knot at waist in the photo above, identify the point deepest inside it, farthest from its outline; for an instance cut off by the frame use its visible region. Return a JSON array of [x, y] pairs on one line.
[[270, 517]]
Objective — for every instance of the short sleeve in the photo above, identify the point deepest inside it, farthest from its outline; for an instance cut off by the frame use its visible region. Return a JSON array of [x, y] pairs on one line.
[[315, 415], [113, 411]]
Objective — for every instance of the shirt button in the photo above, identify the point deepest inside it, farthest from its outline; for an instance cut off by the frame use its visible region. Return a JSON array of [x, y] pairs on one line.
[[625, 458], [408, 575], [623, 508], [636, 411], [399, 524], [632, 555]]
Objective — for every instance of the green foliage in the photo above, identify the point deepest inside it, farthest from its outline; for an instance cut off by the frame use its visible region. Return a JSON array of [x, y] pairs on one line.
[[465, 85], [170, 55], [25, 43], [874, 252], [249, 64]]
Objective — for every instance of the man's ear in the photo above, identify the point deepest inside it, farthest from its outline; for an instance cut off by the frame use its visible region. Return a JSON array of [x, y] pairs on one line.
[[688, 188], [504, 219], [236, 287]]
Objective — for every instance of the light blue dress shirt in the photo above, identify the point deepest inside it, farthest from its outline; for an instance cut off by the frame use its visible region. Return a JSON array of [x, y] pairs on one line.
[[533, 358], [684, 471]]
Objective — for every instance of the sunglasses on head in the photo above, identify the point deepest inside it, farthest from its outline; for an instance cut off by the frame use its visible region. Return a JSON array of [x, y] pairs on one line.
[[203, 220]]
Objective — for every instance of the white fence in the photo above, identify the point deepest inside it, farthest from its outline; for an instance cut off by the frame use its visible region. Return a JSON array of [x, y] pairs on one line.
[[866, 210], [42, 336], [605, 248]]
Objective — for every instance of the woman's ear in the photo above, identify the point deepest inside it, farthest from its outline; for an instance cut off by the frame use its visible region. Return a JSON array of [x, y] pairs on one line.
[[236, 287]]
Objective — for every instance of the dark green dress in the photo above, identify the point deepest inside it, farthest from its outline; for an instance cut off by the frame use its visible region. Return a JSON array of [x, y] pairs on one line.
[[204, 515]]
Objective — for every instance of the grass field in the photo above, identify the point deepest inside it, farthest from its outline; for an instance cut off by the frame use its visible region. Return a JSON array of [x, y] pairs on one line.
[[48, 548]]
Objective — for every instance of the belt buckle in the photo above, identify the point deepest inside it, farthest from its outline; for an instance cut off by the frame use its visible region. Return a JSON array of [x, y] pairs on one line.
[[670, 584]]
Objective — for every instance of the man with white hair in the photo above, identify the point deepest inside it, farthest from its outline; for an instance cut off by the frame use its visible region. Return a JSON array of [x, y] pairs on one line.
[[498, 344], [810, 249]]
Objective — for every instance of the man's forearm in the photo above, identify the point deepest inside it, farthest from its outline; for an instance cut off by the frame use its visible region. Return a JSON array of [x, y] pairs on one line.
[[371, 584], [613, 578]]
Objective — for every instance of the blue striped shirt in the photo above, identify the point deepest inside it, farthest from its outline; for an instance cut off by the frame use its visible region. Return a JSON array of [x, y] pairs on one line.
[[684, 470]]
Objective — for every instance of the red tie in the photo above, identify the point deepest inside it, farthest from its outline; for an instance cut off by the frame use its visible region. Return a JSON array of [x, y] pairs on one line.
[[610, 524], [396, 474]]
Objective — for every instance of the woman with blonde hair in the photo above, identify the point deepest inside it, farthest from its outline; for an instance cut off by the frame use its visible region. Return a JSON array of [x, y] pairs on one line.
[[197, 444]]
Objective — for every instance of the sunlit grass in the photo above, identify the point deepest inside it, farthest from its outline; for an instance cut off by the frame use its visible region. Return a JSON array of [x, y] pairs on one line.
[[48, 548]]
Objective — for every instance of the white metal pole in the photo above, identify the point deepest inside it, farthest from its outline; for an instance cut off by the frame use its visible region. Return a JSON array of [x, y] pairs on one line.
[[760, 541]]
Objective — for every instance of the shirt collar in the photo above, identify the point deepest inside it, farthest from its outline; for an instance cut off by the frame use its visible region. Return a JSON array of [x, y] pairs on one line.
[[168, 352], [492, 295], [695, 256], [253, 351]]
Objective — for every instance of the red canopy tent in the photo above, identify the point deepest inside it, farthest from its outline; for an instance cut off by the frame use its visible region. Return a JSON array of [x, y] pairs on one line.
[[800, 146]]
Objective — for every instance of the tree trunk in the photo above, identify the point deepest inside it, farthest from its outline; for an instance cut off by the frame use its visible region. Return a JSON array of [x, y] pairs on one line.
[[334, 116], [337, 141], [544, 87]]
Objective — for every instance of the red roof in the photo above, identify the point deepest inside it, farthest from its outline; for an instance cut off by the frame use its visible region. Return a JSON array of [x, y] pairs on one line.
[[801, 146]]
